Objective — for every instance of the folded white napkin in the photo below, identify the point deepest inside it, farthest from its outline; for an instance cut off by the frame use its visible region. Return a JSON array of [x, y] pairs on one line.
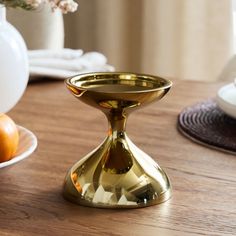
[[65, 63], [65, 53]]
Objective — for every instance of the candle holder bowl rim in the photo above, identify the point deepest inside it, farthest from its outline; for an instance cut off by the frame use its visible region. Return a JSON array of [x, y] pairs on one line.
[[78, 81]]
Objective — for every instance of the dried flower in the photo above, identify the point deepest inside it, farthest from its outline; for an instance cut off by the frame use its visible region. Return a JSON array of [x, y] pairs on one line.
[[64, 5], [34, 3], [68, 6]]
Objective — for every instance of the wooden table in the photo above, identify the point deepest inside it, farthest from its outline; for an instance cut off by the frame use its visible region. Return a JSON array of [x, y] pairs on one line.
[[204, 180]]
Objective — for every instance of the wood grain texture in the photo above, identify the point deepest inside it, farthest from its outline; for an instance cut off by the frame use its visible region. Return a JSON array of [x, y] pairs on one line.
[[204, 180]]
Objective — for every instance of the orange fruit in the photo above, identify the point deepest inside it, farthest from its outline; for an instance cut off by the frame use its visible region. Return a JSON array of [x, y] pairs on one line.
[[9, 138]]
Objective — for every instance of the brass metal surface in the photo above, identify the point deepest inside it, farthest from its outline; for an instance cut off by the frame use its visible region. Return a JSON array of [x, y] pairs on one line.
[[117, 174]]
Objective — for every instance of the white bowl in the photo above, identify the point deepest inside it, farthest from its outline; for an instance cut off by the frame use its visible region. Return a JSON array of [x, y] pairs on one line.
[[226, 99], [27, 145]]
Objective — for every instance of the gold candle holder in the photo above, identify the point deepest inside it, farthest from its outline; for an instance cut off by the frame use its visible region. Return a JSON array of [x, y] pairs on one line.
[[117, 174]]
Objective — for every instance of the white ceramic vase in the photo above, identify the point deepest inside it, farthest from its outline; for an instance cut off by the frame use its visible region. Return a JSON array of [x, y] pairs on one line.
[[41, 29], [14, 67]]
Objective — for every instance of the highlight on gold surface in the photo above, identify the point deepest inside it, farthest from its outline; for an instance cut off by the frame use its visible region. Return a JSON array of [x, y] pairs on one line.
[[117, 174]]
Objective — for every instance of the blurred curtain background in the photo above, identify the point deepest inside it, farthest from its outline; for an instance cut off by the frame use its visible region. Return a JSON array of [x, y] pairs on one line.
[[183, 39]]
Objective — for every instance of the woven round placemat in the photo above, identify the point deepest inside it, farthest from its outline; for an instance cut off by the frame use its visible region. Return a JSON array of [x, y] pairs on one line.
[[205, 123]]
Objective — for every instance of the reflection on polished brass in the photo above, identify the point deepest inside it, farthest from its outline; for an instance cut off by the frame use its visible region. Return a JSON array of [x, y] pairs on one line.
[[117, 174]]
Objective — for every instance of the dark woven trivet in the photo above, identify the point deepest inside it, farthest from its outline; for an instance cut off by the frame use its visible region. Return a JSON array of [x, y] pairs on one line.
[[207, 124]]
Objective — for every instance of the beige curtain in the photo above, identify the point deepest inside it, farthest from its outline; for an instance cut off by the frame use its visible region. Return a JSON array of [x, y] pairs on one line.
[[184, 39]]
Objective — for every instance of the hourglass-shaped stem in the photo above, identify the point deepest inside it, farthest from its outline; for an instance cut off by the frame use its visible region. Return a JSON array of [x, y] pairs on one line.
[[119, 158], [117, 122]]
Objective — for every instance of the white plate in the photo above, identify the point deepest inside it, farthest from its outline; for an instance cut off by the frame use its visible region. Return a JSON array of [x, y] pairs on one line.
[[27, 145], [226, 99]]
